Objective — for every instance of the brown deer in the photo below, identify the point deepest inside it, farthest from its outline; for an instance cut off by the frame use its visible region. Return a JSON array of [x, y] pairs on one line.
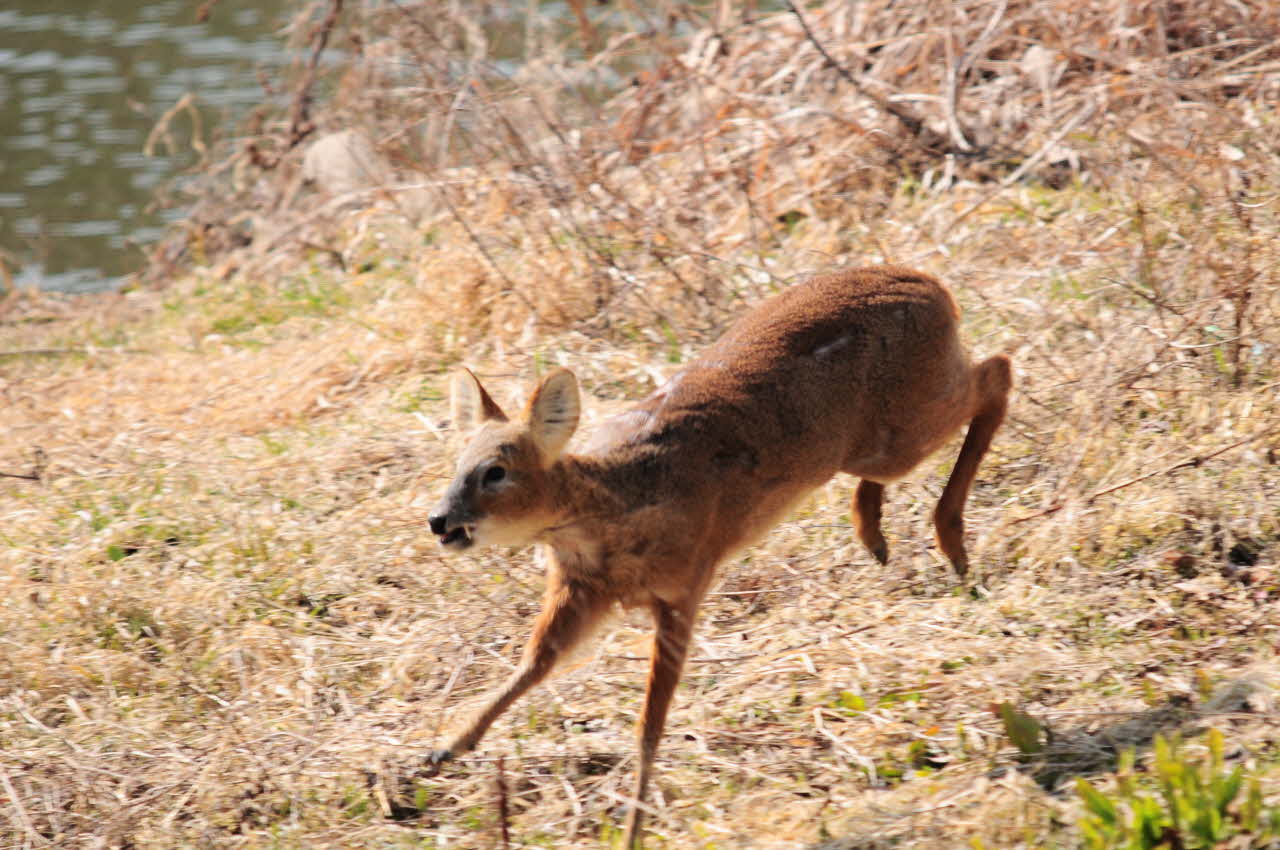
[[859, 371]]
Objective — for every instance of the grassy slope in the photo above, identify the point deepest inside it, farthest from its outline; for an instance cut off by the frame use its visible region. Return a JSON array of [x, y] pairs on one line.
[[224, 622]]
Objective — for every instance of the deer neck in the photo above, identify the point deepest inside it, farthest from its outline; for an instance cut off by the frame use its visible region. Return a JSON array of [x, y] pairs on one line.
[[585, 506]]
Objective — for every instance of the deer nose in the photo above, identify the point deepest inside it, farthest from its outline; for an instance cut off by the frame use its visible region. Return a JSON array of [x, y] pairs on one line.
[[438, 524]]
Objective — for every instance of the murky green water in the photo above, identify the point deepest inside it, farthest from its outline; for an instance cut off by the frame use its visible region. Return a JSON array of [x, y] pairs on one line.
[[81, 86]]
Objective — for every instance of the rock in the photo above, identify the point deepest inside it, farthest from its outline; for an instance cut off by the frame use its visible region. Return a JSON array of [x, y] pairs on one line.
[[343, 162]]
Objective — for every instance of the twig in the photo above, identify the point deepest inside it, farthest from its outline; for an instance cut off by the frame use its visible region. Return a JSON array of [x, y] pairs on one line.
[[301, 124], [1195, 460], [913, 123], [955, 70], [160, 132], [504, 814], [38, 463]]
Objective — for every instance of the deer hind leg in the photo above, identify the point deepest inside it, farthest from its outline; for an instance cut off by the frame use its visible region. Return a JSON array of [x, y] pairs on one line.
[[866, 518], [569, 612], [993, 378], [674, 627]]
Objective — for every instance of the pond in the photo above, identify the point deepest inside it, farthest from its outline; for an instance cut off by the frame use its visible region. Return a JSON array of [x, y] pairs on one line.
[[81, 87]]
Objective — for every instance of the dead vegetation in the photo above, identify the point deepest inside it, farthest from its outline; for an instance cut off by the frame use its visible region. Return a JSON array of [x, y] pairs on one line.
[[225, 624]]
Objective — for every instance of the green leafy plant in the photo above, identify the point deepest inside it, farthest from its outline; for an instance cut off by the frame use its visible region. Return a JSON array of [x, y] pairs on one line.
[[1179, 805], [1026, 733]]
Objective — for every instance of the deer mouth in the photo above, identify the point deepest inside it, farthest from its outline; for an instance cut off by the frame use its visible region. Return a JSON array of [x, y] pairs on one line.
[[458, 538]]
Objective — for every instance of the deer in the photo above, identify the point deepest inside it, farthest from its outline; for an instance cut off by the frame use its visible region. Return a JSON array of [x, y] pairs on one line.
[[860, 371]]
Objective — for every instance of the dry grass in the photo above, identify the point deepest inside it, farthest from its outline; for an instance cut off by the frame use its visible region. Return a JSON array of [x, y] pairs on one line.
[[224, 623]]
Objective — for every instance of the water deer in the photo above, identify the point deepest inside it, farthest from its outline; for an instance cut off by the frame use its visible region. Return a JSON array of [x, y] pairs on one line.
[[860, 371]]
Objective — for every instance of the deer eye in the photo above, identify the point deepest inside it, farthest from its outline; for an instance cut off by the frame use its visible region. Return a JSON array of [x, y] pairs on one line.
[[493, 475]]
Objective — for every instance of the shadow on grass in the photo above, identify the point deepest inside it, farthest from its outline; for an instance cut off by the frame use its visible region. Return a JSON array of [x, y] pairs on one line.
[[1091, 748]]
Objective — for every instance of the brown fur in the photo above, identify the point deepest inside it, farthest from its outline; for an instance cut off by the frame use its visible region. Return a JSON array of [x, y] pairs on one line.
[[859, 372]]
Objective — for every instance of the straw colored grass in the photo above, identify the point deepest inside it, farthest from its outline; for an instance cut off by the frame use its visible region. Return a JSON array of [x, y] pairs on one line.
[[225, 623]]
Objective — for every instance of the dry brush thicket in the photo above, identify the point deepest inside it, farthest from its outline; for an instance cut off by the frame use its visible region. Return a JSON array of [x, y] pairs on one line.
[[224, 622]]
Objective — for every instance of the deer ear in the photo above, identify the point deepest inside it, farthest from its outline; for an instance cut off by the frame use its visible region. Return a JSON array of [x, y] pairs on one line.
[[552, 414], [469, 404]]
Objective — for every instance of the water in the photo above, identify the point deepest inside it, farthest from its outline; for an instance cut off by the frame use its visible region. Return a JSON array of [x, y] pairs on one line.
[[81, 86]]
